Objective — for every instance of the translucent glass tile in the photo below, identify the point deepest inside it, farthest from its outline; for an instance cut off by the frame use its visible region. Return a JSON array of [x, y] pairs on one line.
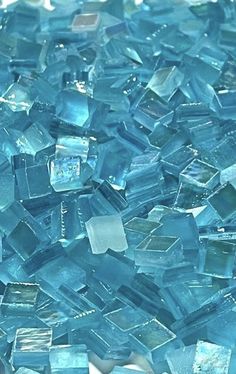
[[126, 319], [31, 347], [211, 358], [85, 22], [68, 359], [152, 339], [165, 81], [158, 250], [19, 299], [117, 186], [72, 107], [200, 174], [106, 232], [24, 370], [65, 173], [216, 258], [224, 201]]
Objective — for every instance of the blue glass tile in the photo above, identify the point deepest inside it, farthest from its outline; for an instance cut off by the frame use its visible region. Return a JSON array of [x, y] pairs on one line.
[[34, 139], [117, 181], [200, 174], [72, 107], [158, 251], [67, 272], [106, 232], [86, 22], [19, 299], [3, 342], [126, 319], [216, 258], [69, 359], [24, 370], [111, 168], [7, 185], [165, 81], [181, 360], [211, 357], [26, 237], [152, 339], [31, 347], [224, 201], [28, 185], [17, 98]]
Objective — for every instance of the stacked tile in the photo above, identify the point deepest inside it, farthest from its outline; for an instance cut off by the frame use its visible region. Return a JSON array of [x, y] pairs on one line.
[[118, 185]]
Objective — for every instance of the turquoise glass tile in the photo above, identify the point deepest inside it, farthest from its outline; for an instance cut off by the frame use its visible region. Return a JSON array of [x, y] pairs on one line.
[[26, 237], [27, 182], [159, 251], [72, 107], [117, 186], [165, 81], [31, 347], [152, 339], [106, 232], [181, 360], [65, 173], [19, 299], [126, 319], [224, 201], [217, 258], [17, 98], [69, 359], [7, 185], [211, 357], [200, 174], [24, 370]]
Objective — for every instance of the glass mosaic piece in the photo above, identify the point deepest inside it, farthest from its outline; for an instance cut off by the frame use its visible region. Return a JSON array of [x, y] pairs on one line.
[[117, 186], [19, 299], [152, 339], [31, 347], [106, 232], [68, 359], [211, 357], [217, 258]]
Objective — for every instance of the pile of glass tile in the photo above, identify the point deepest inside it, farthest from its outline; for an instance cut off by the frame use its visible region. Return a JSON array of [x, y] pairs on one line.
[[118, 185]]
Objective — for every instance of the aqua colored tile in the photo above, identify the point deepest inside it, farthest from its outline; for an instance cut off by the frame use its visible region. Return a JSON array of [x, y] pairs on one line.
[[31, 347], [159, 251], [17, 98], [24, 370], [152, 339], [72, 107], [106, 232], [224, 201], [111, 168], [181, 360], [3, 342], [28, 185], [86, 22], [200, 174], [19, 299], [69, 359], [126, 319], [34, 139], [7, 185], [216, 258], [26, 237], [211, 357], [165, 81], [65, 173]]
